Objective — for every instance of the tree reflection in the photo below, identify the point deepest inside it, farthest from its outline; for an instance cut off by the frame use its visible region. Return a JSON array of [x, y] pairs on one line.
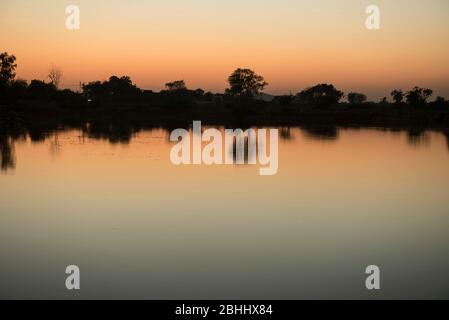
[[241, 150], [418, 137], [446, 134], [8, 159], [123, 132], [112, 132], [286, 134], [328, 133]]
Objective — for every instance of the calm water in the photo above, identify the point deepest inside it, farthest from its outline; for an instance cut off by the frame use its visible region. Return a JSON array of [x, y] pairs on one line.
[[139, 227]]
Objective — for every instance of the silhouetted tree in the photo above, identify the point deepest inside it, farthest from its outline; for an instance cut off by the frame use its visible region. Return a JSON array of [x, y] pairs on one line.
[[18, 89], [321, 95], [398, 96], [121, 86], [55, 75], [7, 70], [418, 96], [176, 86], [245, 83], [209, 96], [356, 98], [115, 87], [95, 90], [286, 100], [440, 99], [199, 93], [439, 102], [39, 89]]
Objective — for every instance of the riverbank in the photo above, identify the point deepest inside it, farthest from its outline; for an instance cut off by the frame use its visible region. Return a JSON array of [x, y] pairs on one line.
[[49, 116]]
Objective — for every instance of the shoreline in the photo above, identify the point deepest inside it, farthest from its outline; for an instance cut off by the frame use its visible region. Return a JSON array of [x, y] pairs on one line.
[[52, 115]]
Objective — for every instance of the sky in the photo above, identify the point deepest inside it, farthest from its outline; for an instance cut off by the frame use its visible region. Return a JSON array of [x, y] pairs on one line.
[[294, 44]]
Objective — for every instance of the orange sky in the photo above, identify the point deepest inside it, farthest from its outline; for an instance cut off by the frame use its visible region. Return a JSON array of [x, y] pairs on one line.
[[292, 43]]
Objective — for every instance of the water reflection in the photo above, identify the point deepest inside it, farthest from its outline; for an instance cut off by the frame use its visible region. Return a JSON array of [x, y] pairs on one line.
[[321, 133], [446, 134], [114, 133], [418, 137], [366, 196], [286, 134], [55, 145], [242, 151], [37, 134], [123, 133], [8, 159]]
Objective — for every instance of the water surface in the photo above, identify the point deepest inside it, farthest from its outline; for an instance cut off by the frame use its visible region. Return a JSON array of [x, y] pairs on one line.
[[139, 227]]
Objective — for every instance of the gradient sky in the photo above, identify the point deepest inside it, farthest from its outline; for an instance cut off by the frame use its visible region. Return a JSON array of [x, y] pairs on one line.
[[292, 43]]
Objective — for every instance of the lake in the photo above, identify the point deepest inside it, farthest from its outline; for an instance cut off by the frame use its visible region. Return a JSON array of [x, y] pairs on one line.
[[140, 227]]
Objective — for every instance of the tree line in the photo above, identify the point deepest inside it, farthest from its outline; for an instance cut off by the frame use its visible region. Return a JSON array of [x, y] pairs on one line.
[[244, 85]]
